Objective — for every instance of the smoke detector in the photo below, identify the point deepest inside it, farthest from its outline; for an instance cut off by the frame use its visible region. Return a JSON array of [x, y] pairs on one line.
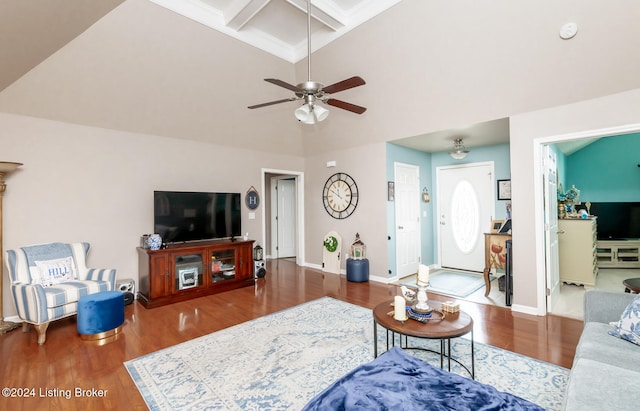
[[568, 31]]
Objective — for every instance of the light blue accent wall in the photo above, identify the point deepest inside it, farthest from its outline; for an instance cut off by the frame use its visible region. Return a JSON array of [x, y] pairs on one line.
[[606, 170], [428, 162], [398, 154]]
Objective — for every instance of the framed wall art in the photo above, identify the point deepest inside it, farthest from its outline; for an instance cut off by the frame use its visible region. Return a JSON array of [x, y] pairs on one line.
[[504, 189]]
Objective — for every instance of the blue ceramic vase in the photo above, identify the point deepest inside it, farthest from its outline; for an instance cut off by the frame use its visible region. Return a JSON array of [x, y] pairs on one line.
[[154, 242]]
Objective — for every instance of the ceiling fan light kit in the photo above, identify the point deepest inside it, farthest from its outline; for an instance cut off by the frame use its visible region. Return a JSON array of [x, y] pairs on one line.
[[313, 92], [309, 113], [459, 151]]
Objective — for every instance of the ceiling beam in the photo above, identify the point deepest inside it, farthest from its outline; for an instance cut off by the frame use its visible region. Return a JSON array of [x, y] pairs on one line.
[[241, 12], [320, 13]]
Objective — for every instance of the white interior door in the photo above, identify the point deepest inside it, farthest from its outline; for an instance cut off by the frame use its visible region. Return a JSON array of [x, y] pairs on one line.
[[465, 210], [283, 219], [551, 226], [407, 208]]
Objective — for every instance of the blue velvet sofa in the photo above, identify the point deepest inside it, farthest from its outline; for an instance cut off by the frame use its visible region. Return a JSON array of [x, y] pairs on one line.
[[606, 369]]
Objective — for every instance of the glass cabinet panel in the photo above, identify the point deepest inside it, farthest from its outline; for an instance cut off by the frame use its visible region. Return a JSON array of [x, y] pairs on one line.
[[188, 271], [223, 265]]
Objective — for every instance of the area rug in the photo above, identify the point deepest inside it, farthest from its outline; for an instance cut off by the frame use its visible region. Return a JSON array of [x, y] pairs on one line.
[[281, 361], [451, 282]]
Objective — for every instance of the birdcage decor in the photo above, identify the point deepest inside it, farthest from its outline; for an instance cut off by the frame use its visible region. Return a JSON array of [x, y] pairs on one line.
[[358, 249]]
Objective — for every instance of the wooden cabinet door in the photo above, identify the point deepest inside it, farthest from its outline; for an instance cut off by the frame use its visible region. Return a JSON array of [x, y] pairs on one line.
[[159, 273], [244, 258]]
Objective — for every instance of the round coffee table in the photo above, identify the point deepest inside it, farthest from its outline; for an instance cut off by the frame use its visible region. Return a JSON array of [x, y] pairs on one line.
[[631, 284], [453, 325]]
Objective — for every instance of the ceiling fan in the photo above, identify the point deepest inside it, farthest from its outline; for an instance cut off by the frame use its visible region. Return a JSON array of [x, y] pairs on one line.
[[313, 92]]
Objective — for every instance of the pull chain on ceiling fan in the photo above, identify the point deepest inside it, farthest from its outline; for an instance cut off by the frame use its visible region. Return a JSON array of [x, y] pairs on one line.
[[313, 92]]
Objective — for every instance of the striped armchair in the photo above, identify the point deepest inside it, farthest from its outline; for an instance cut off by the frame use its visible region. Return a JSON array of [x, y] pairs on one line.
[[47, 281]]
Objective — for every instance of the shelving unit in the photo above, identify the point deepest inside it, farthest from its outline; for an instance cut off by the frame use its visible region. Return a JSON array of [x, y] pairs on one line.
[[185, 271], [618, 253]]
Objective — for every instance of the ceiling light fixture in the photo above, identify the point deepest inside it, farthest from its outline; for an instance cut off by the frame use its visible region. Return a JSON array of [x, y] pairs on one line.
[[459, 151], [310, 112], [313, 92]]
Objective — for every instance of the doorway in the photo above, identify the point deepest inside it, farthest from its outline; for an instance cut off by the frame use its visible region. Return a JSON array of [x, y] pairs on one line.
[[465, 209], [290, 207], [543, 208], [283, 217]]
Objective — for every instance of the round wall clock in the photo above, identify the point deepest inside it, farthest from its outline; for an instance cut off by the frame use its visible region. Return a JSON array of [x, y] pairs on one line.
[[340, 195]]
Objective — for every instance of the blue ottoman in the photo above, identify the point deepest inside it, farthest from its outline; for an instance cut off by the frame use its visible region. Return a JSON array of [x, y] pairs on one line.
[[100, 315], [357, 270]]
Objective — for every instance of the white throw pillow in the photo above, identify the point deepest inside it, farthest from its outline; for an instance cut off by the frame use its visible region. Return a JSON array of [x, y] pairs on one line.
[[628, 328], [56, 271]]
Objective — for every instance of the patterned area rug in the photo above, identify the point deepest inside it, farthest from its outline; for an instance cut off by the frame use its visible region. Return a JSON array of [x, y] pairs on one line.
[[282, 360], [451, 282]]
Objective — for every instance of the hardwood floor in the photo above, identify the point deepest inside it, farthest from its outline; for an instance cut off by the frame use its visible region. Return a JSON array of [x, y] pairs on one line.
[[66, 363]]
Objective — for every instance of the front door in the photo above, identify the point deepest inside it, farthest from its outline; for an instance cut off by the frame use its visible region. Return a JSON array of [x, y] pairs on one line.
[[465, 210]]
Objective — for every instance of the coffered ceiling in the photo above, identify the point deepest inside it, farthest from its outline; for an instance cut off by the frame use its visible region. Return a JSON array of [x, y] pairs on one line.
[[279, 27]]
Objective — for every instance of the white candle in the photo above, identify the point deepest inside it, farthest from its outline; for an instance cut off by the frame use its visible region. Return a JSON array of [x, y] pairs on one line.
[[423, 274], [399, 308]]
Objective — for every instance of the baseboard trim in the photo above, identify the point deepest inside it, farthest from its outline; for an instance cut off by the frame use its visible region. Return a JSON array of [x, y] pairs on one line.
[[525, 309], [13, 319]]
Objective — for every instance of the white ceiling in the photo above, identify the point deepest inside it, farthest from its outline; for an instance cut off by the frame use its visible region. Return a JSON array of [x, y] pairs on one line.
[[482, 134], [279, 27]]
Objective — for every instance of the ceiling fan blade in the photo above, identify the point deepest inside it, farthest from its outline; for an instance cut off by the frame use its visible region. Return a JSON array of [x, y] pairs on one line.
[[346, 106], [284, 100], [344, 85], [282, 84]]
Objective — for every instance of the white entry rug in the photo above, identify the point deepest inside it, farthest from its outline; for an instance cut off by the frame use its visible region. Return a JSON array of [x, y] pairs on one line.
[[455, 283], [281, 361]]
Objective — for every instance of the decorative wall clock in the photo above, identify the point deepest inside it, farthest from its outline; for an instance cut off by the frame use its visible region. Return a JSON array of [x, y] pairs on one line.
[[340, 195]]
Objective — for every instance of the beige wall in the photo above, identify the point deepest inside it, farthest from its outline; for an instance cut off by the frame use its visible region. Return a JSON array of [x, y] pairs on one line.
[[89, 184], [366, 164], [526, 129]]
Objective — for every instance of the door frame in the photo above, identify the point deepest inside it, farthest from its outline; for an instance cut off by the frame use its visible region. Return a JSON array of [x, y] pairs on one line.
[[539, 210], [300, 229], [275, 203]]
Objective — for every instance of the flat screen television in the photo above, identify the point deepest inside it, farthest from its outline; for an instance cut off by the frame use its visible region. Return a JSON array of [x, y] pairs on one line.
[[191, 216], [616, 220]]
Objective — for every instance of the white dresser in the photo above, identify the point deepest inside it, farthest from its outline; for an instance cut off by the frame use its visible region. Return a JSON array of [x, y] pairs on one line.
[[577, 244]]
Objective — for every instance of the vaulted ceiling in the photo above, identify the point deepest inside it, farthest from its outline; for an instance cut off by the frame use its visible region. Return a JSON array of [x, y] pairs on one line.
[[138, 66], [32, 30]]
